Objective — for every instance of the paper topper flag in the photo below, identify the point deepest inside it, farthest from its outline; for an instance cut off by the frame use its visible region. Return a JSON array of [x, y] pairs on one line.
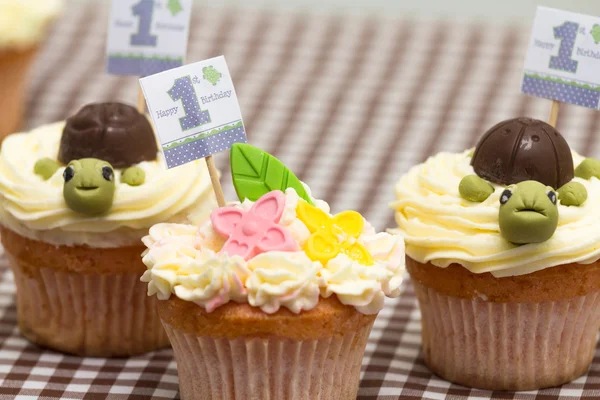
[[195, 110], [147, 36], [563, 59]]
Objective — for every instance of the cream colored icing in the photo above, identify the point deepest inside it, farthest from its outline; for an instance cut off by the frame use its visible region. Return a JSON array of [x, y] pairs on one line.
[[274, 279], [23, 23], [281, 279], [205, 279], [35, 208], [442, 228]]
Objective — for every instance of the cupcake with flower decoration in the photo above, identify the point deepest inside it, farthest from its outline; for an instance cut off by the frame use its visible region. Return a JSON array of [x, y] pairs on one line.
[[274, 297]]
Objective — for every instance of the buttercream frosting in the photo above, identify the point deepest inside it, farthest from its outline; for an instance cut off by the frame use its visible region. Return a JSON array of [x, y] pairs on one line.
[[273, 279], [442, 228], [23, 23], [283, 279], [35, 208]]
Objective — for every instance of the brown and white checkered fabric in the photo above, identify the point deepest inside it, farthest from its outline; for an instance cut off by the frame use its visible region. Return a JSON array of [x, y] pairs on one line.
[[349, 104]]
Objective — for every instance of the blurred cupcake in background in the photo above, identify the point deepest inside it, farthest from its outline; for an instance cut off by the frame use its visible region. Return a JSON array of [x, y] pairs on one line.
[[23, 26], [76, 198]]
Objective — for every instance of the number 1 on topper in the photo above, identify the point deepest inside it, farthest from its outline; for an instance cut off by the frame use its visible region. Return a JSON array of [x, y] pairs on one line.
[[144, 10], [183, 90], [566, 33]]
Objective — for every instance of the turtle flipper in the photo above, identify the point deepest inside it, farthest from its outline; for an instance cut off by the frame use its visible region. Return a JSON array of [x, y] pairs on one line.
[[588, 168], [475, 189], [572, 194]]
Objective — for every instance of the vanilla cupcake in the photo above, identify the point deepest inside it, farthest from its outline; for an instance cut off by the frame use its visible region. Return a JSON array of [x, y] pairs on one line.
[[76, 198], [23, 26], [502, 247], [272, 299]]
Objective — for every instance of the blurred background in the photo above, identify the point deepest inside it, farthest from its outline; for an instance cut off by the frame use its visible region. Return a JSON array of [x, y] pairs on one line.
[[349, 94], [486, 10]]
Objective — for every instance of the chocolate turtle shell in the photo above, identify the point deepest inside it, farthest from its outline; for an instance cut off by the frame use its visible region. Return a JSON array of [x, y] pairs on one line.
[[113, 132], [522, 149]]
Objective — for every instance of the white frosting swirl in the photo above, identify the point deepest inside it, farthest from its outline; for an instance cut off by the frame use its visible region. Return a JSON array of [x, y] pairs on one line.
[[162, 234], [23, 23], [442, 228], [274, 279], [36, 209], [283, 279], [365, 287], [388, 252], [176, 266]]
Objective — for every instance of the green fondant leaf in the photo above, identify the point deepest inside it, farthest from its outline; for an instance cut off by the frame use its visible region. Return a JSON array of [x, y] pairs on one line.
[[274, 176], [256, 173]]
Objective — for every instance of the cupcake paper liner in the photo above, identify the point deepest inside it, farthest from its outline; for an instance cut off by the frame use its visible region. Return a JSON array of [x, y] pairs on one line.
[[87, 314], [268, 368], [14, 66], [508, 346]]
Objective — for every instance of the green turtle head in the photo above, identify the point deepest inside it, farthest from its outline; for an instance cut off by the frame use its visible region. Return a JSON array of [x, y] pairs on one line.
[[89, 186], [528, 212]]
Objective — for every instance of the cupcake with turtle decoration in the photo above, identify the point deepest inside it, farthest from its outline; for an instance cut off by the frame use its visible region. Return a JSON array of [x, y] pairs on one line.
[[76, 198], [502, 249]]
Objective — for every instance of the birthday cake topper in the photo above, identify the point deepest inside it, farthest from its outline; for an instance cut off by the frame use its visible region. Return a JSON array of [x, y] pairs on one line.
[[196, 113], [147, 36], [563, 59]]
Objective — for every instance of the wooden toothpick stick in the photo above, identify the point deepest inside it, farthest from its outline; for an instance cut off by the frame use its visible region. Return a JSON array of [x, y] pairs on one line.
[[141, 101], [554, 113], [214, 178]]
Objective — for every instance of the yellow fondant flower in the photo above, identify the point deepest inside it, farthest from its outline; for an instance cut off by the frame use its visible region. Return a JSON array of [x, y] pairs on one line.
[[331, 236]]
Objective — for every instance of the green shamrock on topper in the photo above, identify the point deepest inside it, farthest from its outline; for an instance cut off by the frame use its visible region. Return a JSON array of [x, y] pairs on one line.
[[211, 74], [175, 7], [596, 33], [535, 164]]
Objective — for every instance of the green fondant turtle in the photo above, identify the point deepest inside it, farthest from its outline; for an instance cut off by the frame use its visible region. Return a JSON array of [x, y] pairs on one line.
[[535, 162], [528, 209], [96, 138], [89, 186]]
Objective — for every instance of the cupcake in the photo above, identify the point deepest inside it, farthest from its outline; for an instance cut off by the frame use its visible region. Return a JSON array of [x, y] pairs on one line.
[[502, 246], [23, 26], [273, 297], [76, 198]]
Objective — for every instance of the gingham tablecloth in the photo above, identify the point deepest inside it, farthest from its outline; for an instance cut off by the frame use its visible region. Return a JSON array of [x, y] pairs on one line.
[[349, 104]]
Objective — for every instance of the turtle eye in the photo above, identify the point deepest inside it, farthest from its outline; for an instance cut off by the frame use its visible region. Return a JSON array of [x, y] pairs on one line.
[[552, 196], [68, 174], [108, 173], [505, 196]]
